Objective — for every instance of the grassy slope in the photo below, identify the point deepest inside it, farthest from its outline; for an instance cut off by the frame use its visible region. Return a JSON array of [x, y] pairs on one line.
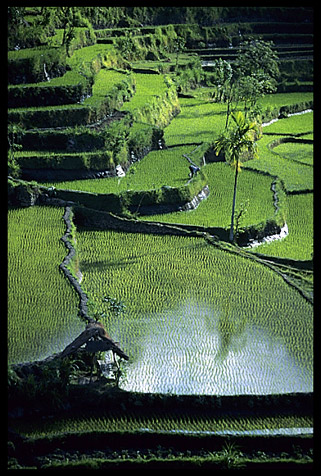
[[170, 284], [42, 307]]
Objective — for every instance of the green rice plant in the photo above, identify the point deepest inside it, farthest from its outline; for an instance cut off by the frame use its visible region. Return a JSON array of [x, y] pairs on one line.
[[299, 152], [299, 242], [147, 86], [97, 160], [107, 96], [279, 100], [201, 120], [42, 306], [157, 422], [106, 79], [158, 168], [66, 89], [27, 64], [119, 86], [295, 176], [214, 211], [198, 320], [155, 101], [292, 126], [90, 59]]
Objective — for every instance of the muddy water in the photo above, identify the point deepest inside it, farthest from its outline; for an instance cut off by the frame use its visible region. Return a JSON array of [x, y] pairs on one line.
[[194, 350]]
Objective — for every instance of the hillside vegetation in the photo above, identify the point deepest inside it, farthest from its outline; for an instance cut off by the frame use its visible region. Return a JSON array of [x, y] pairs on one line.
[[108, 109]]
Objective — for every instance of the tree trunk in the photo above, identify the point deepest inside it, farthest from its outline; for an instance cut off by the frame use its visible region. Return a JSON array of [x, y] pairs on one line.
[[233, 205], [227, 112]]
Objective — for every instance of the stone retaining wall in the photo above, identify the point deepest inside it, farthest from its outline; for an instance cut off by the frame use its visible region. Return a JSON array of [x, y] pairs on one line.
[[99, 220], [83, 310]]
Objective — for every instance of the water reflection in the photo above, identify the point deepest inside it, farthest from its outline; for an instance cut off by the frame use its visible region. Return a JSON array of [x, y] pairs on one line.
[[194, 350]]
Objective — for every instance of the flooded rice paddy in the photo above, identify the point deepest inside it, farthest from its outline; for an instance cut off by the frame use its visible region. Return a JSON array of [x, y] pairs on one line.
[[199, 320], [190, 350]]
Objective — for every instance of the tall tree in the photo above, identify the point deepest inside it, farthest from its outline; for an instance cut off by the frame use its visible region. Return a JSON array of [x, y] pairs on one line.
[[256, 56], [256, 71], [242, 137]]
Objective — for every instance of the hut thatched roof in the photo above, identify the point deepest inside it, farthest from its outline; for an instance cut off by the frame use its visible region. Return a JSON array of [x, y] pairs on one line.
[[96, 339]]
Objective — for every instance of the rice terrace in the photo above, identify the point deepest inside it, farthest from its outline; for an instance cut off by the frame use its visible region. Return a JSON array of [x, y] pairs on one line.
[[160, 237]]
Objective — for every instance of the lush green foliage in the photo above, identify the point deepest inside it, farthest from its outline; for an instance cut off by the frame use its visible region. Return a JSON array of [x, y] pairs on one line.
[[299, 243], [158, 168], [215, 210], [184, 423], [175, 293], [42, 306], [296, 176]]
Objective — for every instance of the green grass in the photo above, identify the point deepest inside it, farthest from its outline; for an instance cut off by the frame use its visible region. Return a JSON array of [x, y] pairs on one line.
[[216, 209], [147, 87], [142, 421], [302, 153], [296, 176], [42, 306], [158, 168], [199, 320], [299, 243]]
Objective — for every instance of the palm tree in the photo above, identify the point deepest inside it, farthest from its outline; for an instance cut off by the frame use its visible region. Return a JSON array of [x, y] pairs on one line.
[[242, 137]]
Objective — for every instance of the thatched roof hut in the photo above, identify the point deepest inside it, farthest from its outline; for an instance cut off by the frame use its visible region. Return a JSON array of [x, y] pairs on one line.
[[95, 339]]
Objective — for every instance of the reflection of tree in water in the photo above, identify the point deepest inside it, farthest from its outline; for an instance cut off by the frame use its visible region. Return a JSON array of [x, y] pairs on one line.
[[228, 328]]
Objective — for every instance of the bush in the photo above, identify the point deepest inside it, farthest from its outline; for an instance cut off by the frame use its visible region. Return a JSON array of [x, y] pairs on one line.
[[91, 111], [27, 66], [100, 160], [69, 140], [143, 138], [73, 88]]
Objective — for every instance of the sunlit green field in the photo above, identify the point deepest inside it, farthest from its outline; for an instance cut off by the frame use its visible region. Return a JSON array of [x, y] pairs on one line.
[[158, 168], [201, 120], [302, 153], [42, 306], [295, 175], [299, 242], [216, 209], [147, 86], [292, 126], [198, 320], [184, 423]]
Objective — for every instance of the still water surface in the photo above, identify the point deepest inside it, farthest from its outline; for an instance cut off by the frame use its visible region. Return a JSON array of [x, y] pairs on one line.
[[194, 349]]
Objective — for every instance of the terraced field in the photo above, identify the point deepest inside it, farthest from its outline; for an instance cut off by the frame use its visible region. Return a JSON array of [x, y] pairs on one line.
[[183, 423], [158, 168], [42, 306], [219, 338], [184, 330]]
